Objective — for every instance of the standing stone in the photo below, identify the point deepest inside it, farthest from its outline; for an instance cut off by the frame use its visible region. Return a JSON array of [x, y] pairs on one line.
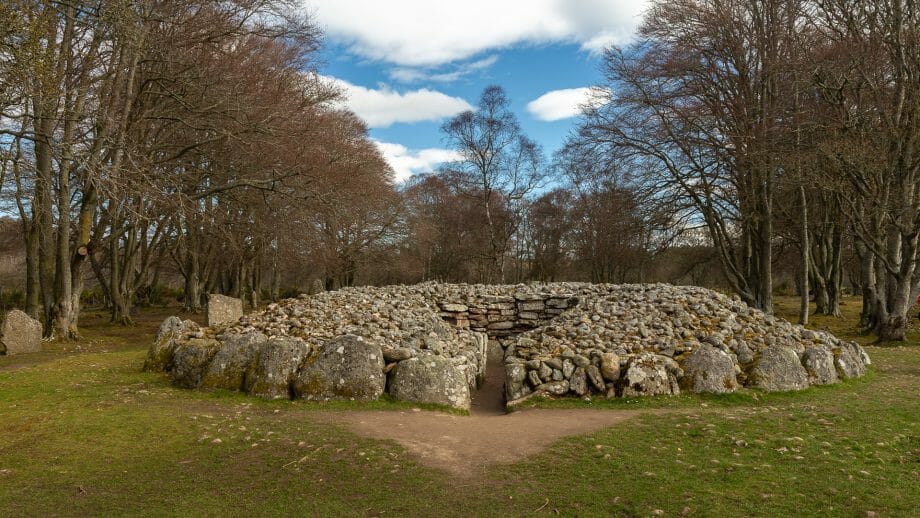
[[223, 309], [347, 367], [317, 286], [20, 333]]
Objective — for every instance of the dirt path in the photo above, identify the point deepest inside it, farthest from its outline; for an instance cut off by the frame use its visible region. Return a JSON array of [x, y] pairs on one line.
[[465, 445], [490, 399]]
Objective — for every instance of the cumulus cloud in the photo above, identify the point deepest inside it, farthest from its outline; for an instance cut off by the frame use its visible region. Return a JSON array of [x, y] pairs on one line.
[[561, 104], [416, 33], [383, 106], [415, 75], [406, 162]]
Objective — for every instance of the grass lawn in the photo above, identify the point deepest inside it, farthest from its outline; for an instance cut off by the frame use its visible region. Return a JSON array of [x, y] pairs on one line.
[[84, 432]]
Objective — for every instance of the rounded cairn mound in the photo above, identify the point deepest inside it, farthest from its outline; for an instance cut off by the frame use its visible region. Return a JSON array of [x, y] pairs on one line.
[[428, 343]]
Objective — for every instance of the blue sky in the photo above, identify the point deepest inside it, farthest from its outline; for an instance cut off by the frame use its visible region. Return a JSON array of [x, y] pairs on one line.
[[408, 65]]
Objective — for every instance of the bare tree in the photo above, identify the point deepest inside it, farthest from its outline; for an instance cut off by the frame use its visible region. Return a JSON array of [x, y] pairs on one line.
[[869, 73], [696, 108], [498, 164]]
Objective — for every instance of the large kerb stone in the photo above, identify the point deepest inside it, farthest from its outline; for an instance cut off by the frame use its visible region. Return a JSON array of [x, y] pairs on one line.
[[430, 378], [778, 369], [709, 370], [227, 369], [273, 369], [347, 367]]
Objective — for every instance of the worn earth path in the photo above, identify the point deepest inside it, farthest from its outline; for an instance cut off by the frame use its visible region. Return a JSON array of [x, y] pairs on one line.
[[466, 445]]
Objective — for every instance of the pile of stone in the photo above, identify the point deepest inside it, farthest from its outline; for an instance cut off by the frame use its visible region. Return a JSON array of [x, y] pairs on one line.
[[427, 343], [654, 339], [347, 344]]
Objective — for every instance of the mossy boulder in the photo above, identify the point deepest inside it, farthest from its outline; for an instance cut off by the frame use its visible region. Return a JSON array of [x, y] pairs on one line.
[[430, 378], [708, 370], [160, 355], [778, 369], [347, 367], [271, 373], [227, 369], [190, 359]]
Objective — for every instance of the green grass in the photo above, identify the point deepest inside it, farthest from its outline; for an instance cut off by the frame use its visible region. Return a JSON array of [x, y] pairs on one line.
[[85, 432], [846, 326]]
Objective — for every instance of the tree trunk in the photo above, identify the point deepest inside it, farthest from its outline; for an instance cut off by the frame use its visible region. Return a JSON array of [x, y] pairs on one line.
[[255, 292], [63, 322], [803, 303], [42, 217], [33, 286], [867, 282]]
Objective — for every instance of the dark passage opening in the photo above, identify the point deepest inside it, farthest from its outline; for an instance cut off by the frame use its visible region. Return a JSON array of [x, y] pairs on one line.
[[489, 399]]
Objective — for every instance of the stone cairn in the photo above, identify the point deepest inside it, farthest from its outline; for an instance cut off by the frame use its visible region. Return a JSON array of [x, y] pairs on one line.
[[428, 343]]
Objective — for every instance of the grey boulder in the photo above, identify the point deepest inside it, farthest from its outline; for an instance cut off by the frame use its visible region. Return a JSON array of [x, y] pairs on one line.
[[190, 359], [430, 378], [708, 370], [273, 369], [347, 367], [851, 360], [649, 374], [819, 365], [778, 369], [227, 369], [20, 333], [160, 355]]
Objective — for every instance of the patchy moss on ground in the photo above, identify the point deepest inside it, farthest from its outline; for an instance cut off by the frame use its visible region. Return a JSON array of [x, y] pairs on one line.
[[84, 431]]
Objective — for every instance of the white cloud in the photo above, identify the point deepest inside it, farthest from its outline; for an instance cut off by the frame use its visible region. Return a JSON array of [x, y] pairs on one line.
[[406, 162], [560, 104], [424, 33], [414, 75], [384, 106]]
